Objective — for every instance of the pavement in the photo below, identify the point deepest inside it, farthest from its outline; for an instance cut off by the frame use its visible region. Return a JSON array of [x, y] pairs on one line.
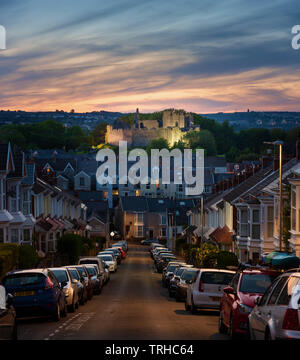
[[132, 306]]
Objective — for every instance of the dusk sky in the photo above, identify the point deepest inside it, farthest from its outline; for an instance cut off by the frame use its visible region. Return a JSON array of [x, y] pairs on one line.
[[199, 55]]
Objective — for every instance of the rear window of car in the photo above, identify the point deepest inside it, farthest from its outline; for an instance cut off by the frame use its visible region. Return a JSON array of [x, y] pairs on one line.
[[256, 283], [89, 262], [91, 270], [74, 274], [189, 274], [81, 271], [171, 268], [179, 272], [291, 289], [61, 275], [23, 279], [216, 278]]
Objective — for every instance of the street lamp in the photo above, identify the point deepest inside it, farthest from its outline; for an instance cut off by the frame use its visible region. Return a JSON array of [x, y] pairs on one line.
[[280, 144]]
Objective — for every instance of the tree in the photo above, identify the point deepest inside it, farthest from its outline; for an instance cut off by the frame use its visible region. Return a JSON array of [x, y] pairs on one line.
[[202, 139], [157, 144], [98, 134]]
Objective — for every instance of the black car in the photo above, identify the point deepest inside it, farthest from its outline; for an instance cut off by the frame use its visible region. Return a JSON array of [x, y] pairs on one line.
[[8, 324]]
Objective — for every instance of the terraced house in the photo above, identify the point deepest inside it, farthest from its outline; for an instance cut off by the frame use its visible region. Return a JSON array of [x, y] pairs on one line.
[[16, 181]]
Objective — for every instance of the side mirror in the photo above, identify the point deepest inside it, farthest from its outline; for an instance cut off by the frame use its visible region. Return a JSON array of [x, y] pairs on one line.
[[229, 290], [257, 301], [74, 281], [9, 300], [189, 281]]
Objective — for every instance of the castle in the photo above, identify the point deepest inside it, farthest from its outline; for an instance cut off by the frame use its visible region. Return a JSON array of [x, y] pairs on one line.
[[173, 125]]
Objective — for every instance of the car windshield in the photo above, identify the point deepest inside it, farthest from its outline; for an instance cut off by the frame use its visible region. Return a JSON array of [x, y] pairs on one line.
[[61, 275], [256, 283], [74, 274], [91, 270], [171, 268], [107, 258], [189, 274], [23, 279], [216, 278]]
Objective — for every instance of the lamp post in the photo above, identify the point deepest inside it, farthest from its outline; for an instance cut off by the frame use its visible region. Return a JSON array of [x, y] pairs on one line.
[[280, 144]]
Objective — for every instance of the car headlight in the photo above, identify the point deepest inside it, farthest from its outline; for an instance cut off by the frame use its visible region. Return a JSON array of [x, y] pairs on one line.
[[244, 309]]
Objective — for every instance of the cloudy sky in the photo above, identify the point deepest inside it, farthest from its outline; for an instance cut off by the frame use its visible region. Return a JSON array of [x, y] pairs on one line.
[[201, 55]]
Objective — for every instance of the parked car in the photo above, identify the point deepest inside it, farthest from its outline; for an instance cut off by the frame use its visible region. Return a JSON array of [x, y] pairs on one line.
[[8, 323], [158, 255], [277, 314], [110, 261], [117, 253], [121, 245], [82, 292], [149, 241], [69, 287], [122, 252], [187, 277], [238, 299], [96, 261], [163, 262], [206, 291], [97, 282], [84, 278], [169, 271], [176, 278], [106, 272], [36, 293]]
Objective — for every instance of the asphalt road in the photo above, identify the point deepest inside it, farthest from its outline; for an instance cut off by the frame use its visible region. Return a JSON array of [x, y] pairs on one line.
[[132, 306]]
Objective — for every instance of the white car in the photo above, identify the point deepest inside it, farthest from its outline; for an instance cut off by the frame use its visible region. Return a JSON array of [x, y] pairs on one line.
[[207, 289], [110, 261]]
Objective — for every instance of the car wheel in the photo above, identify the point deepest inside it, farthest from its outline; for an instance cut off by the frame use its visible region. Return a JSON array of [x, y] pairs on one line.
[[14, 335], [232, 333], [268, 335], [222, 328], [72, 307], [193, 307], [56, 315], [187, 307]]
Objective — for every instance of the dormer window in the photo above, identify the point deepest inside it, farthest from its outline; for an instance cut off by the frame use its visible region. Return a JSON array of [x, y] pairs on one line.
[[81, 181]]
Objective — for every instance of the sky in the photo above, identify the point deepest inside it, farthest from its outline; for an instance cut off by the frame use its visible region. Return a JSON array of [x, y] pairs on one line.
[[204, 56]]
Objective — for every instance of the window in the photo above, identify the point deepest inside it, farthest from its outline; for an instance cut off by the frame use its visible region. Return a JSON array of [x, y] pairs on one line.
[[163, 220], [243, 223], [14, 235], [216, 278], [26, 202], [291, 288], [255, 224], [270, 221], [267, 293], [277, 290], [163, 232], [139, 231], [1, 235], [26, 235], [255, 283], [82, 181], [235, 282], [293, 208], [139, 218]]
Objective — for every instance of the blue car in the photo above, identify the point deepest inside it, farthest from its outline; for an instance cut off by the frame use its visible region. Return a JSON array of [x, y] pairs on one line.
[[36, 292]]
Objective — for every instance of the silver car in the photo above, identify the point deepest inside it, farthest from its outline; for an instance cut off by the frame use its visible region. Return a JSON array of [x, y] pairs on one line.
[[277, 314], [69, 287]]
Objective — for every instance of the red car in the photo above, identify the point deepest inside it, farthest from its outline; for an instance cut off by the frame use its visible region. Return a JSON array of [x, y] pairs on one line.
[[123, 253], [238, 299]]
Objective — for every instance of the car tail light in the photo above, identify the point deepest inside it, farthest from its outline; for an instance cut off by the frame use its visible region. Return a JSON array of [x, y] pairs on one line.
[[49, 284], [291, 321], [201, 286]]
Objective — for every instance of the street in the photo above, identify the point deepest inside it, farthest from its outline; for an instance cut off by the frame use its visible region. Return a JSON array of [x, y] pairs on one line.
[[132, 306]]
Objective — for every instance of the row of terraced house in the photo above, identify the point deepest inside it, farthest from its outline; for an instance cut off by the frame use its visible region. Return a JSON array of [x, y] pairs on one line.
[[33, 211], [243, 216]]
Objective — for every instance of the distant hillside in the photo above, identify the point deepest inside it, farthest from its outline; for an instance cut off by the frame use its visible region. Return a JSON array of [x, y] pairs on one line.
[[260, 119]]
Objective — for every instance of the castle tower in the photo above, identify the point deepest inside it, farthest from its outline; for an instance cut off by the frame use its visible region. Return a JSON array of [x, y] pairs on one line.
[[136, 118]]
